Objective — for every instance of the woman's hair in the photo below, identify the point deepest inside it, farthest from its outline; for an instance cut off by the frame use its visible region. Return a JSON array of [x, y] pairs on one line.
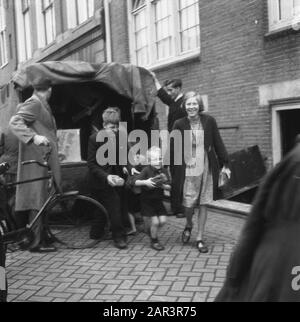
[[111, 115], [198, 97]]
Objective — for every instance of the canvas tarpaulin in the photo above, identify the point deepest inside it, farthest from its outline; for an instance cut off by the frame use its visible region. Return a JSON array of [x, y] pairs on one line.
[[127, 80]]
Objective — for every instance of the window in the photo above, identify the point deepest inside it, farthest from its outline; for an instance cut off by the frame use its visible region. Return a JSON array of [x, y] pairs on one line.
[[141, 33], [24, 29], [45, 22], [79, 11], [49, 20], [189, 23], [3, 40], [164, 30], [283, 13]]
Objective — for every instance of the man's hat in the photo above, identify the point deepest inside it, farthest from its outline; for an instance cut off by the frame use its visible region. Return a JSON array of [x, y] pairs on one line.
[[42, 84]]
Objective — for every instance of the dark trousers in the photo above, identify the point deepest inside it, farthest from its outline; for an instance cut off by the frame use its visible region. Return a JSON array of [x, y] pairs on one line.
[[114, 200], [177, 189]]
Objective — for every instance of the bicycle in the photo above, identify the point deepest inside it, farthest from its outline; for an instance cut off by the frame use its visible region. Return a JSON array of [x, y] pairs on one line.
[[67, 216]]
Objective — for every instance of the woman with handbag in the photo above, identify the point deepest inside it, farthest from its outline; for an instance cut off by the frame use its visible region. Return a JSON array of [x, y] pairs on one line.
[[203, 154]]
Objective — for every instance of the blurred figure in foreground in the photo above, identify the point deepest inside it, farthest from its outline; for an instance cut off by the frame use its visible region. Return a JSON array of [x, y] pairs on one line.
[[265, 266]]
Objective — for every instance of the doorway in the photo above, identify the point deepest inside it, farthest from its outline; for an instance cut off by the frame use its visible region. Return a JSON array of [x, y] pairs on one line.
[[286, 126]]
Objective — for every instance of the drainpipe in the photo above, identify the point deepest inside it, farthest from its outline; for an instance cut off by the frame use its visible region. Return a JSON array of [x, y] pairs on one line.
[[108, 31]]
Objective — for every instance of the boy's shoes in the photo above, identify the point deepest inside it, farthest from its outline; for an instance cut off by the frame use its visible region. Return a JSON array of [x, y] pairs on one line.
[[131, 233], [120, 244], [43, 249], [156, 245], [201, 246], [49, 239]]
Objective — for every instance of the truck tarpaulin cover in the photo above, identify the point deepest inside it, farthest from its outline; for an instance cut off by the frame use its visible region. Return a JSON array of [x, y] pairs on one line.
[[127, 80]]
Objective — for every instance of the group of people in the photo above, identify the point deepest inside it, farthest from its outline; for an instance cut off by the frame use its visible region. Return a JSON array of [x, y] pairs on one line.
[[265, 265], [35, 127], [191, 189]]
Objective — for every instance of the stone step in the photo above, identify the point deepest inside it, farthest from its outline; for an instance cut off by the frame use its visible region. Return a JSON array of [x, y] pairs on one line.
[[231, 208]]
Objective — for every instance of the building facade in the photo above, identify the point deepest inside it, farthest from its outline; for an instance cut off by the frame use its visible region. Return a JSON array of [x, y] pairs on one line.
[[242, 56], [46, 30], [40, 30]]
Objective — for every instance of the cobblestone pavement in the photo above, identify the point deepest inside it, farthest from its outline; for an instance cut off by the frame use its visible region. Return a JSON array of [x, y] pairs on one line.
[[105, 274]]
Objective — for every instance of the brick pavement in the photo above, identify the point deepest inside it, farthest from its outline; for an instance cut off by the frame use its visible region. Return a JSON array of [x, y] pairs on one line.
[[105, 274]]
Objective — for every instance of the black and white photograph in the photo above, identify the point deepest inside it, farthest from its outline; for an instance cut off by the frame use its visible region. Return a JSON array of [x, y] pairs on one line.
[[149, 154]]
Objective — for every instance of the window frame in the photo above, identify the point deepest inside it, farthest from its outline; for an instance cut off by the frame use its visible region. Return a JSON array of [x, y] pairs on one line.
[[180, 27], [76, 11], [3, 37], [25, 8], [171, 34], [275, 22], [134, 13], [45, 8], [175, 29]]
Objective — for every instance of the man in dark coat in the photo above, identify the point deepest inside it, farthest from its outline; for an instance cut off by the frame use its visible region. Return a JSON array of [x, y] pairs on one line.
[[265, 266], [171, 95], [107, 183]]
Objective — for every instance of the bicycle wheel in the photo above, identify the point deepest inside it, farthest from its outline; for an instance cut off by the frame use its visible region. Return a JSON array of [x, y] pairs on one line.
[[69, 221]]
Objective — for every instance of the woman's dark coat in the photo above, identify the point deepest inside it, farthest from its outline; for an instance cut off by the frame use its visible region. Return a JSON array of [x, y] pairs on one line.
[[265, 264], [214, 147]]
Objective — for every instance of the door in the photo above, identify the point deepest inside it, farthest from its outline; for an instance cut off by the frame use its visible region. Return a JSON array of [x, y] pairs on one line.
[[286, 126]]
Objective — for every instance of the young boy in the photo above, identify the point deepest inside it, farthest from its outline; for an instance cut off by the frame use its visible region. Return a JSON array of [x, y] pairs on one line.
[[133, 193], [154, 179]]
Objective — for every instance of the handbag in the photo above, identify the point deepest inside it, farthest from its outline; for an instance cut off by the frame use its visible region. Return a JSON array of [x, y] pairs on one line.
[[223, 179]]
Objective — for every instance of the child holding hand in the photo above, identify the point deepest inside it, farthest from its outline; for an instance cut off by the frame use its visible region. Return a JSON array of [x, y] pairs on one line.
[[153, 180]]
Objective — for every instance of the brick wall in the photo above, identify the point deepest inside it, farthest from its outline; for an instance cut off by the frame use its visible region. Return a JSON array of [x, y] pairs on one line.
[[236, 58]]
